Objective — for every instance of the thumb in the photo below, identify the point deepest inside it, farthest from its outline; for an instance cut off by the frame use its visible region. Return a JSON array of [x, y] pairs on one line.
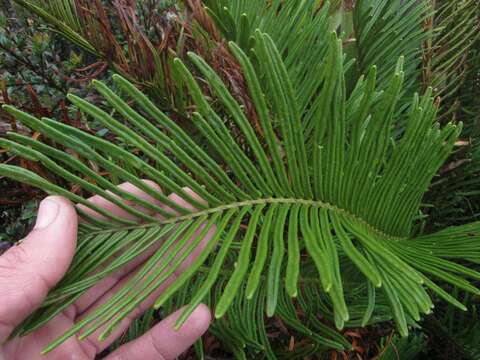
[[29, 270]]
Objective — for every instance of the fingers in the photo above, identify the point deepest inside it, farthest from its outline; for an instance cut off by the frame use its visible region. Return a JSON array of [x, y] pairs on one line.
[[107, 283], [182, 202], [29, 347], [162, 341], [103, 291], [115, 209], [96, 346], [30, 269], [93, 339]]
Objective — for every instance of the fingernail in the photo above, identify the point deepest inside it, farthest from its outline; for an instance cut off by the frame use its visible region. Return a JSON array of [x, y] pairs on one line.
[[47, 213]]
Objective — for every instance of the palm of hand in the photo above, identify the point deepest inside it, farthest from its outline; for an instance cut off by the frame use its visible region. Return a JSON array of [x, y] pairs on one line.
[[29, 270]]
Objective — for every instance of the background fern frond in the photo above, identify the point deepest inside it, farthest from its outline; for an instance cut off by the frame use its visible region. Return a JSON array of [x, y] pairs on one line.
[[455, 31], [382, 32]]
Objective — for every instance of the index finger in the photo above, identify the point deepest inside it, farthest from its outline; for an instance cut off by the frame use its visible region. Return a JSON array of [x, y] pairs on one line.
[[145, 203]]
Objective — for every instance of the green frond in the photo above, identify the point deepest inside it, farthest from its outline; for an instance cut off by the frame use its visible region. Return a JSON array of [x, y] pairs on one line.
[[301, 211], [403, 348], [298, 28], [461, 330], [455, 29], [455, 194], [382, 32]]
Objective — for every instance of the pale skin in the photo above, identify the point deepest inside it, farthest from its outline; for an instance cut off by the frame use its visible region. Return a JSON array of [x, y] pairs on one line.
[[30, 269]]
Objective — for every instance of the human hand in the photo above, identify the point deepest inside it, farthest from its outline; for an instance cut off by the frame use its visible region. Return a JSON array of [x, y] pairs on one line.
[[29, 270]]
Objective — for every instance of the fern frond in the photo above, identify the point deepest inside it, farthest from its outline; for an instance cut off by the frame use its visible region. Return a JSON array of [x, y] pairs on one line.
[[403, 348], [455, 30], [385, 30], [298, 28], [339, 197]]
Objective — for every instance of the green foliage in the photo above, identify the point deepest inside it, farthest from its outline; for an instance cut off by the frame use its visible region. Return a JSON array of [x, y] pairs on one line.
[[375, 33], [114, 35], [28, 57], [298, 28], [455, 196], [63, 15], [455, 30], [312, 164], [15, 224], [36, 72], [385, 30], [346, 193], [403, 348], [464, 329]]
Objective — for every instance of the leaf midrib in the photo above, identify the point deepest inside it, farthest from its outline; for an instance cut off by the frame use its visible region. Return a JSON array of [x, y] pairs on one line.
[[240, 204]]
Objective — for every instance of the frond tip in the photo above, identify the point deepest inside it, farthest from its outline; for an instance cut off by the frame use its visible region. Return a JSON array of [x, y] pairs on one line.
[[317, 203]]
